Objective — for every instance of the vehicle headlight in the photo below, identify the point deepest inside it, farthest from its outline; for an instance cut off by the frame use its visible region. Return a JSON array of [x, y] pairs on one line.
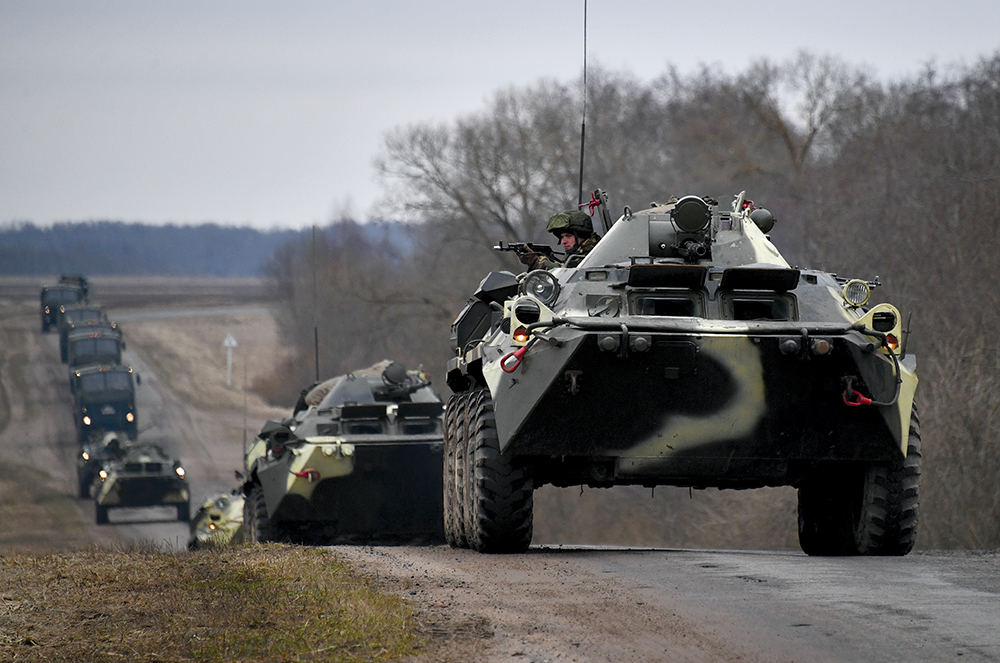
[[179, 471], [86, 421], [542, 286], [103, 474], [856, 292]]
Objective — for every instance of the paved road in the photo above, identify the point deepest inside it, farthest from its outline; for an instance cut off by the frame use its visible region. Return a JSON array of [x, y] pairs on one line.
[[625, 605]]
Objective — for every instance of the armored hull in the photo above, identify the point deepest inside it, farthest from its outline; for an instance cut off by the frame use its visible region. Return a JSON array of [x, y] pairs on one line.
[[363, 464], [219, 521], [141, 476], [683, 350]]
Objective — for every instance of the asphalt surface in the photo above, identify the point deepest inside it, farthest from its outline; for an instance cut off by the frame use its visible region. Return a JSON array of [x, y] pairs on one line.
[[624, 605]]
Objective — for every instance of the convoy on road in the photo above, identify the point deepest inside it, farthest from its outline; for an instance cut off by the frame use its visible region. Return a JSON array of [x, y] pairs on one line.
[[114, 467], [683, 350]]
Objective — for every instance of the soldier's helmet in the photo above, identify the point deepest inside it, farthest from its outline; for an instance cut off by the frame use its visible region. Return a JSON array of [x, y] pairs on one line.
[[574, 221]]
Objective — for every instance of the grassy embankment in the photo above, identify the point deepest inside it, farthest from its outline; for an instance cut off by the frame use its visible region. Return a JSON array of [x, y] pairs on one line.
[[271, 603]]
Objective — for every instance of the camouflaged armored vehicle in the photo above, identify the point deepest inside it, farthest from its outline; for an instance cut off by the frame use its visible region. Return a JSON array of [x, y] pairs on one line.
[[363, 464], [219, 521], [142, 475], [683, 350], [97, 450], [103, 400]]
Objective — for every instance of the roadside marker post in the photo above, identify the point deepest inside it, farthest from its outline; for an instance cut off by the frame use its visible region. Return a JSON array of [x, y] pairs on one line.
[[229, 343]]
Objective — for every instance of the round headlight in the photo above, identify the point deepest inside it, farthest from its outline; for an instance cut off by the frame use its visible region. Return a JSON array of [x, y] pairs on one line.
[[857, 292], [86, 421], [542, 286]]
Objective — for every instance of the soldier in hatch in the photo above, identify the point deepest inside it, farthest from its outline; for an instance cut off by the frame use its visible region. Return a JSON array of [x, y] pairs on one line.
[[574, 230]]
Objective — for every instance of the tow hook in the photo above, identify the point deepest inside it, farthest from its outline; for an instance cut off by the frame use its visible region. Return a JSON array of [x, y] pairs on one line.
[[852, 397]]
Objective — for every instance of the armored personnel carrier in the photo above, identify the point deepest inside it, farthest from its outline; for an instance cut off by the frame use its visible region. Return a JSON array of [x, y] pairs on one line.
[[142, 475], [94, 453], [219, 521], [54, 297], [363, 464], [103, 400], [683, 350]]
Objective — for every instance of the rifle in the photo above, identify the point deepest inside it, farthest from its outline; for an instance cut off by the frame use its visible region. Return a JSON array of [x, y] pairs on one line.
[[526, 248]]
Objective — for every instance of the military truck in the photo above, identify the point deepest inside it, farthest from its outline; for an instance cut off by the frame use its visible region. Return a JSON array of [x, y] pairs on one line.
[[99, 448], [362, 465], [219, 521], [71, 317], [96, 344], [683, 350], [103, 400], [54, 298], [142, 475]]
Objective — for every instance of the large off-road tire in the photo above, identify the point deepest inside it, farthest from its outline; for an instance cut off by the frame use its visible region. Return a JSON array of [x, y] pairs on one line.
[[257, 526], [84, 479], [866, 510], [501, 485], [450, 487], [467, 464], [100, 514]]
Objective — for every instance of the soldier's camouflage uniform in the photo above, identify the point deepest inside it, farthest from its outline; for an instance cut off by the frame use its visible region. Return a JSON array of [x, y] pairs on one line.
[[539, 261]]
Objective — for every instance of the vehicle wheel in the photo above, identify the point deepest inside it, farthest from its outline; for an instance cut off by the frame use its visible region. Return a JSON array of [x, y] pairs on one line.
[[84, 479], [450, 490], [467, 460], [184, 512], [888, 514], [502, 485], [101, 514], [868, 510], [257, 526]]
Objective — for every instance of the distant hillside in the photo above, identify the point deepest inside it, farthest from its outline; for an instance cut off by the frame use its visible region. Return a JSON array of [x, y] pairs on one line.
[[115, 248]]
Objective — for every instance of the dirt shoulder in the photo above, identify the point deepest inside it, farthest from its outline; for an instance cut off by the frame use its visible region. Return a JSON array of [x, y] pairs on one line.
[[541, 606]]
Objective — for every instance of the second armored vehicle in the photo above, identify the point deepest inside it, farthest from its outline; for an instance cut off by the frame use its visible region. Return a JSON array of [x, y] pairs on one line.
[[684, 350], [142, 475], [93, 345], [365, 464]]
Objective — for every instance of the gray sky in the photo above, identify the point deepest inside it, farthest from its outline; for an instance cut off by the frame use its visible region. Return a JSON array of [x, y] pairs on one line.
[[269, 113]]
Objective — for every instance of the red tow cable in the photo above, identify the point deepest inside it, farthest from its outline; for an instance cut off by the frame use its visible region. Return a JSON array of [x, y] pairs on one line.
[[860, 399]]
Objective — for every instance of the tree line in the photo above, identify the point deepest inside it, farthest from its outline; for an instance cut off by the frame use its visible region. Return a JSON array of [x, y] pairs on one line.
[[899, 179]]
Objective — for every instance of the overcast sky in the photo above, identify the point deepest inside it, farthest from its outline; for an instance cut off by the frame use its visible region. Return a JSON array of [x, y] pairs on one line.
[[269, 113]]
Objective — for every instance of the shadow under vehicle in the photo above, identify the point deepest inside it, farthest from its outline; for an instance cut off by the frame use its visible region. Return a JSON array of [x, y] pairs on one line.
[[93, 345], [683, 350], [54, 297], [362, 465], [103, 400], [219, 521], [72, 317], [141, 475], [98, 449]]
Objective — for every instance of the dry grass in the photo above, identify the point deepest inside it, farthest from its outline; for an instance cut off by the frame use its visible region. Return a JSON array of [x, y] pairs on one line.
[[36, 516], [187, 355], [270, 603]]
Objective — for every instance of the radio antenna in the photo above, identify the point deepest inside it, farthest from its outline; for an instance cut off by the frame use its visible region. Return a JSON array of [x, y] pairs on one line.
[[583, 120]]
